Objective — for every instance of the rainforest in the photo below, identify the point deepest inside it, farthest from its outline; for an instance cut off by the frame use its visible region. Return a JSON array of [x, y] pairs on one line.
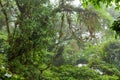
[[59, 39]]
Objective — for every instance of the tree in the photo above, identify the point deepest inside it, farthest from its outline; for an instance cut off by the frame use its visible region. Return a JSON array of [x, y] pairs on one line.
[[37, 30], [30, 35], [97, 3]]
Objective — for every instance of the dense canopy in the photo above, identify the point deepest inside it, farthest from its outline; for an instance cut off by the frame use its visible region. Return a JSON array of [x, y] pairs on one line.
[[59, 40]]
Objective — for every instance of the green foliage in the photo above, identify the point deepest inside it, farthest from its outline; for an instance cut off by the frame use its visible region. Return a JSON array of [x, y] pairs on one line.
[[27, 51], [66, 72], [106, 77], [111, 52], [29, 41], [116, 26], [97, 3], [89, 53], [71, 52], [5, 74], [73, 73], [106, 68], [1, 21]]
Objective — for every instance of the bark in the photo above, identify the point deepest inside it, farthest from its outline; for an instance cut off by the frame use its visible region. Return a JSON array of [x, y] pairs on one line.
[[6, 18]]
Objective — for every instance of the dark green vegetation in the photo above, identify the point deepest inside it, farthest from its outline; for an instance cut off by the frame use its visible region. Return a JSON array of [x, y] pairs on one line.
[[45, 40]]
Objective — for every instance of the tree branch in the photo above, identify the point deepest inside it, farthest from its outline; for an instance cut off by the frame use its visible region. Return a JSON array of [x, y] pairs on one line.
[[6, 18]]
